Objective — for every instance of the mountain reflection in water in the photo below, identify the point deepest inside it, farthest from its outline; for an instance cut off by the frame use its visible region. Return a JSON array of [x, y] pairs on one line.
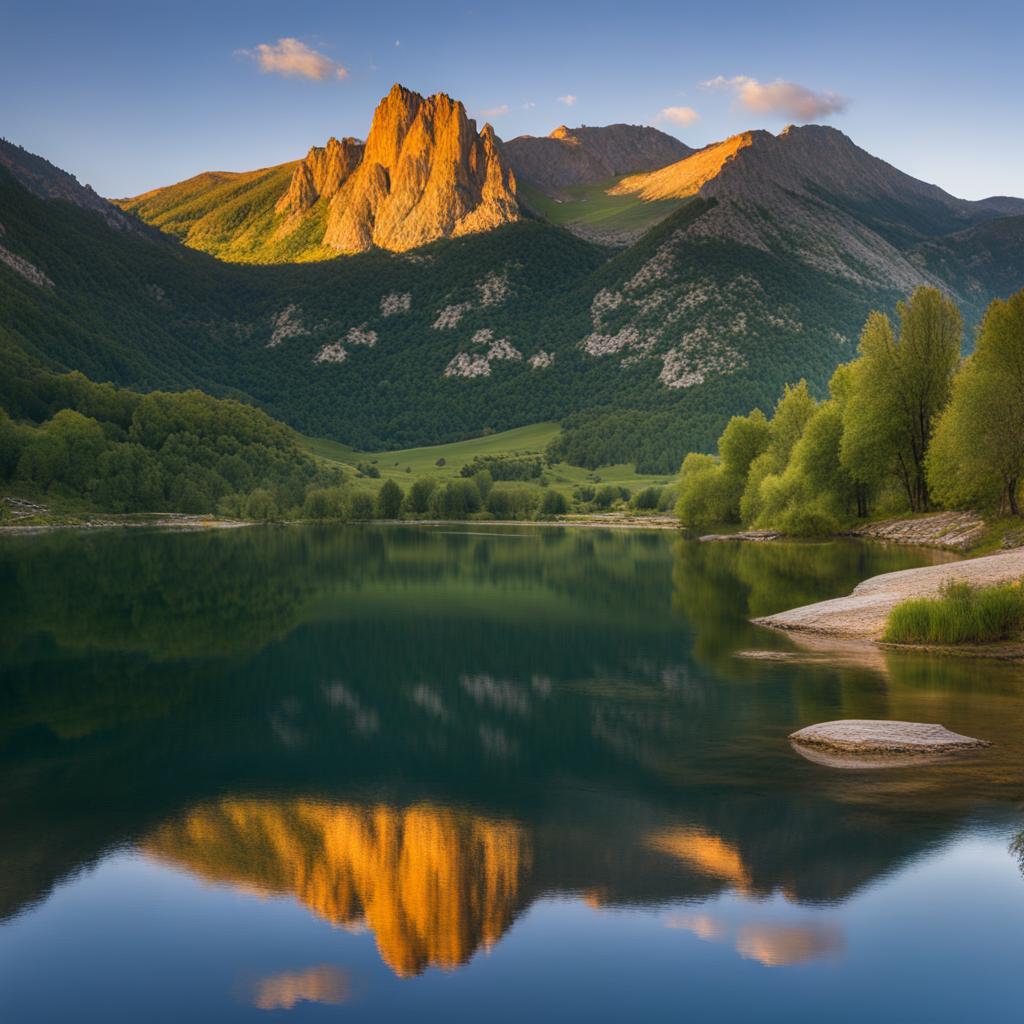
[[426, 735]]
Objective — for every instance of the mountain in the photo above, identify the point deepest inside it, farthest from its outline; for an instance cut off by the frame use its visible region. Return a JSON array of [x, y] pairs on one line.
[[45, 180], [585, 155], [424, 173], [767, 255]]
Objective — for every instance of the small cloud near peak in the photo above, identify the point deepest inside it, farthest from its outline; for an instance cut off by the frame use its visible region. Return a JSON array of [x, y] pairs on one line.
[[779, 98], [494, 111], [568, 99], [678, 115], [294, 59]]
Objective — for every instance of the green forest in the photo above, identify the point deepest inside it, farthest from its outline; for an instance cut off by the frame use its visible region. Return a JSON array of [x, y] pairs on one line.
[[142, 311], [907, 426]]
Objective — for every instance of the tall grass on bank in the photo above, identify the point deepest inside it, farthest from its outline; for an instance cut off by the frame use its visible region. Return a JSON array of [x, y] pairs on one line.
[[961, 614]]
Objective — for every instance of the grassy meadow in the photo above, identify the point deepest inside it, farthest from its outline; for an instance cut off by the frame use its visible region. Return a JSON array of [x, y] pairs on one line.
[[591, 206], [409, 464]]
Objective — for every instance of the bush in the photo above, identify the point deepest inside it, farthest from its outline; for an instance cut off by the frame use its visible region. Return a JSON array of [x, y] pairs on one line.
[[323, 503], [368, 469], [456, 500], [647, 499], [554, 503], [583, 494], [389, 500], [959, 615], [506, 467], [509, 501], [361, 505], [417, 501], [260, 505]]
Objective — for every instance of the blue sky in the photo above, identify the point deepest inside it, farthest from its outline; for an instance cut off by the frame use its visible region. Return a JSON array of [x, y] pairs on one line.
[[129, 96]]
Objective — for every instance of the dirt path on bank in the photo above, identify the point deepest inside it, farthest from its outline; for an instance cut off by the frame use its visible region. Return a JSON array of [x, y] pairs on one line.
[[863, 614]]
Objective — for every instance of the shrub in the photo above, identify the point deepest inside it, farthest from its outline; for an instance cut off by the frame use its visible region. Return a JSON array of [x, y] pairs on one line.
[[583, 494], [554, 503], [260, 505], [324, 503], [511, 501], [389, 500], [417, 501], [606, 496], [960, 614], [647, 499], [361, 505], [368, 469], [506, 467]]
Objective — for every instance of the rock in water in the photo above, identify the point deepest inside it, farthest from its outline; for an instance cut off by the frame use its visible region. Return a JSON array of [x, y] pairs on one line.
[[874, 738]]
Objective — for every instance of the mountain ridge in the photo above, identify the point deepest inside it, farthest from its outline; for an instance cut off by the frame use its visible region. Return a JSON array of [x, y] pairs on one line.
[[423, 173]]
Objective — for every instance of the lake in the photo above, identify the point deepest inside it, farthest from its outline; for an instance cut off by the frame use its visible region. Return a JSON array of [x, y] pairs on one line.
[[462, 773]]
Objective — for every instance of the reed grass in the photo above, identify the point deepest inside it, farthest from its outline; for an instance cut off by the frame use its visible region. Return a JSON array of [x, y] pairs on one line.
[[961, 614]]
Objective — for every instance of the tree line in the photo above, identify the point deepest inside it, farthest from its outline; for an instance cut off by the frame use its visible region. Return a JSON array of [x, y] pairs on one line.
[[906, 426]]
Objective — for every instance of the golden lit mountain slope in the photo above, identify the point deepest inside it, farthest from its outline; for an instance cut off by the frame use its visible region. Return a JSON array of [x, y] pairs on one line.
[[432, 883], [685, 177], [424, 173]]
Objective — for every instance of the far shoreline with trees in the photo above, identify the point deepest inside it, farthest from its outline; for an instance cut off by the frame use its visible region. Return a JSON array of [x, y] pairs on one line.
[[907, 427]]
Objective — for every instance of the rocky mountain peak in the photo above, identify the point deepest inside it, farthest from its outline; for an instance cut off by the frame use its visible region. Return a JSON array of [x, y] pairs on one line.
[[584, 155], [426, 173]]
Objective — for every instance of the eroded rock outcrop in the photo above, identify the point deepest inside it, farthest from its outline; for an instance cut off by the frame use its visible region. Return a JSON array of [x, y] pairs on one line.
[[426, 173]]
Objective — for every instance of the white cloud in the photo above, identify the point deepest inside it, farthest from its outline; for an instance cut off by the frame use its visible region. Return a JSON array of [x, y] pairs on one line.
[[678, 115], [529, 105], [779, 98], [495, 111], [568, 99], [294, 58]]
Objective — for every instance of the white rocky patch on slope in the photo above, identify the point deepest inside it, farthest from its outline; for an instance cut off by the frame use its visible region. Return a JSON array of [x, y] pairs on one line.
[[333, 353], [696, 358], [465, 364], [287, 324], [477, 364], [494, 289], [361, 336], [22, 266], [451, 315], [540, 360], [395, 302]]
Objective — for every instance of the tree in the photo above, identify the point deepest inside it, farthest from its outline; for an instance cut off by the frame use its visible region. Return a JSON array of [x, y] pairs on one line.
[[361, 505], [703, 497], [389, 500], [417, 501], [792, 411], [977, 453], [324, 503], [554, 503], [260, 505], [897, 390]]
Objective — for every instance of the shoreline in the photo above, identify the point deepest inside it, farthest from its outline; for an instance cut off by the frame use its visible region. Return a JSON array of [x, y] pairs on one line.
[[184, 522], [863, 614]]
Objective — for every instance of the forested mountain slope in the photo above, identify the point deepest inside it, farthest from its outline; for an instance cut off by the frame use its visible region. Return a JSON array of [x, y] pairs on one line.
[[764, 274]]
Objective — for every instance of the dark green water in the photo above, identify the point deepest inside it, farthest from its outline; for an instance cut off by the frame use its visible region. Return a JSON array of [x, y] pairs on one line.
[[482, 774]]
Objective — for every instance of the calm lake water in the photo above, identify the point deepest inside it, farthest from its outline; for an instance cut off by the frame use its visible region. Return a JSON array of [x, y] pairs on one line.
[[482, 774]]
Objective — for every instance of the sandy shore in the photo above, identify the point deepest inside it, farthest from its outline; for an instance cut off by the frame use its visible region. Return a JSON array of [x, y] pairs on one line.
[[863, 614]]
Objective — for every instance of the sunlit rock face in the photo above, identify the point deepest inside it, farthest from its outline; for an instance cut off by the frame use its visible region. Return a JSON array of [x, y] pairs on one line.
[[426, 173], [433, 884]]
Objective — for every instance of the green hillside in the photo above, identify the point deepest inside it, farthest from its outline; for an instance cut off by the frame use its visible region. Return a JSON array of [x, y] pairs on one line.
[[232, 216], [591, 208]]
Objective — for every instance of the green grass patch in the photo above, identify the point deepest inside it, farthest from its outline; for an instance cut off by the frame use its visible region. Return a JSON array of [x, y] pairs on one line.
[[961, 614], [444, 462], [591, 205]]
